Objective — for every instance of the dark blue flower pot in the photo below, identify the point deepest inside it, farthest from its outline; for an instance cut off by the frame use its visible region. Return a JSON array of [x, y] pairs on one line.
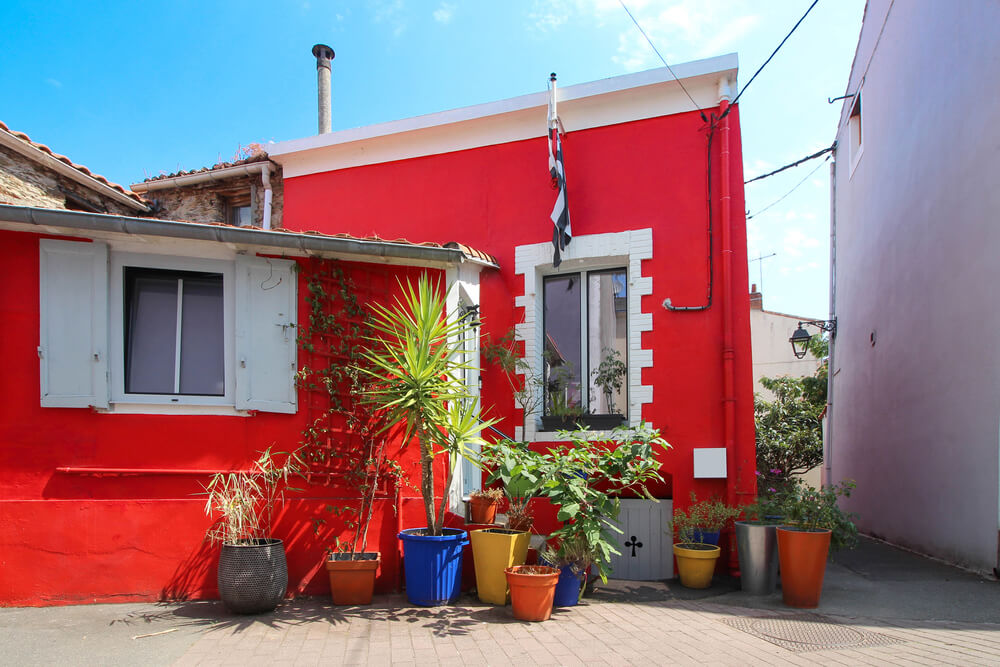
[[567, 588], [433, 565], [706, 537]]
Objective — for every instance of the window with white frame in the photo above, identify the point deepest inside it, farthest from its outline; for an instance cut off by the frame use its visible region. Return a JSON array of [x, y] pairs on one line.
[[122, 329], [585, 355], [584, 322], [855, 132]]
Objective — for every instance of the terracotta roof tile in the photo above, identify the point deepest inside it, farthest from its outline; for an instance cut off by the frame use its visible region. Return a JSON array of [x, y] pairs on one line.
[[258, 157], [65, 160]]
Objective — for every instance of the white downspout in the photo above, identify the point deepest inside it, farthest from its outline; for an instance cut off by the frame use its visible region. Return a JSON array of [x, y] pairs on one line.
[[265, 177]]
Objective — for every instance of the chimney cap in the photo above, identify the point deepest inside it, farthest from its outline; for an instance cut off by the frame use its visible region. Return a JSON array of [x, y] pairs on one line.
[[322, 52]]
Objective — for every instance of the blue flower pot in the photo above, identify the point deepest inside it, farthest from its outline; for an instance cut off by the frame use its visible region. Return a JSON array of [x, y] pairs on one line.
[[433, 566], [706, 537], [567, 588]]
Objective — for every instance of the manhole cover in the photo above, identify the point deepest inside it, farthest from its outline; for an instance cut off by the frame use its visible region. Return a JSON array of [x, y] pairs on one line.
[[808, 632]]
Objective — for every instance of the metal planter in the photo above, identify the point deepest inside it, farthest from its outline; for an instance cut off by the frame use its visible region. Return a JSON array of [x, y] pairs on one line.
[[253, 577], [757, 544]]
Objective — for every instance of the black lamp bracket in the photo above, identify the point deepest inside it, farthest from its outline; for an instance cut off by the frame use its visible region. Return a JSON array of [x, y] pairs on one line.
[[824, 325]]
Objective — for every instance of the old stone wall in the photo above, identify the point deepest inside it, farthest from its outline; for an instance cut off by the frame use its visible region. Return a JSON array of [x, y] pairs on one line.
[[24, 182], [210, 202]]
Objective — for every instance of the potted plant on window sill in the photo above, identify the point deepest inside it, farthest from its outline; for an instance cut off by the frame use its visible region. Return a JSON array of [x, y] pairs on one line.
[[413, 364], [252, 572], [483, 504], [820, 528]]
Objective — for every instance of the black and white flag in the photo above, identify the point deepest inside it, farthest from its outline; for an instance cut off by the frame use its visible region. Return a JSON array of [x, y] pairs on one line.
[[562, 233]]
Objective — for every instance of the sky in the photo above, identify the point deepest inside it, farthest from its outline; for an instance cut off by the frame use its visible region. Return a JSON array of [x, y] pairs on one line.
[[140, 89]]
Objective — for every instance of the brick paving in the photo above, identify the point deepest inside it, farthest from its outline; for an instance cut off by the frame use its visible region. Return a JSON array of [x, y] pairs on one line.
[[597, 632]]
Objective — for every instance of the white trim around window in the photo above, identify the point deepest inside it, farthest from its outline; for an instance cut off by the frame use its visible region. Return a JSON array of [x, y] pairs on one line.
[[588, 253]]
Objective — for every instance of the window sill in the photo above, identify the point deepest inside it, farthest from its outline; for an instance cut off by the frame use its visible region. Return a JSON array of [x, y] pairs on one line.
[[173, 409], [592, 422]]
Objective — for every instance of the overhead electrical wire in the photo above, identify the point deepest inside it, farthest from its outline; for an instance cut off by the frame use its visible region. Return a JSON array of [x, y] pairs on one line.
[[782, 197], [662, 59], [773, 53], [789, 166]]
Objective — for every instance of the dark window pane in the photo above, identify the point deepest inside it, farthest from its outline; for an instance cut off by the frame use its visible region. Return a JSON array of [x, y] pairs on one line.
[[562, 353], [151, 329], [607, 341], [202, 345]]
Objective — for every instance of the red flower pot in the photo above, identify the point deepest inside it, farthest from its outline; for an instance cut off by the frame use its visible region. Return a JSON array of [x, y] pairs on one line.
[[352, 581], [802, 559], [482, 510]]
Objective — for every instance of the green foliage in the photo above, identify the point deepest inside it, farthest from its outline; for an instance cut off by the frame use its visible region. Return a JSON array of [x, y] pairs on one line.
[[700, 517], [515, 466], [527, 387], [811, 509], [244, 502], [789, 428], [584, 479], [414, 372], [610, 376]]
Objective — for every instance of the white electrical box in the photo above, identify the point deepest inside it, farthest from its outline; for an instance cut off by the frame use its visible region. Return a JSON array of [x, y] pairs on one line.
[[710, 463]]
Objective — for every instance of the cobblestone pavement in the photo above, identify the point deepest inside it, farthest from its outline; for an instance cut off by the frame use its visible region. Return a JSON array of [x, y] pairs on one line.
[[880, 607]]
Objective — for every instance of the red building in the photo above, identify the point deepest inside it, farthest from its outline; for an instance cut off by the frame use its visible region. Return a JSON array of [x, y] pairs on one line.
[[104, 450]]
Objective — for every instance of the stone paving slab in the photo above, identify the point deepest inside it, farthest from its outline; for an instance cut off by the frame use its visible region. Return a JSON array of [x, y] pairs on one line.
[[667, 631]]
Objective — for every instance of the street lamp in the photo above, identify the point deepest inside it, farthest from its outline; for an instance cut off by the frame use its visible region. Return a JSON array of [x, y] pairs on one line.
[[800, 338]]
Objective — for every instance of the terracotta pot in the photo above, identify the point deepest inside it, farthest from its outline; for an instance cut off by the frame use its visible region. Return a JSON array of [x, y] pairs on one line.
[[532, 589], [802, 558], [696, 564], [482, 510], [352, 577]]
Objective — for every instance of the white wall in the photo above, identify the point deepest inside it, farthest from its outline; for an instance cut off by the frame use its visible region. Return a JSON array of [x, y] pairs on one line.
[[915, 417]]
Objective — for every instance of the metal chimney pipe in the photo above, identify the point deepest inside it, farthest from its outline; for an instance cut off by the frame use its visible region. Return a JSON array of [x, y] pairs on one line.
[[324, 54]]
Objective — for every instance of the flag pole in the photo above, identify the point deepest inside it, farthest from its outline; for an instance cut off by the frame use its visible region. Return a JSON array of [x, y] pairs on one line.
[[553, 115]]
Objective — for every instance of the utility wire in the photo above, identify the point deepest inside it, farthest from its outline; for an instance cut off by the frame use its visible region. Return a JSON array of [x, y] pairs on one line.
[[759, 69], [782, 197], [663, 60], [789, 166]]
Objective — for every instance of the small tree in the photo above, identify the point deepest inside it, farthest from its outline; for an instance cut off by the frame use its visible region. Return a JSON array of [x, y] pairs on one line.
[[414, 366], [789, 428]]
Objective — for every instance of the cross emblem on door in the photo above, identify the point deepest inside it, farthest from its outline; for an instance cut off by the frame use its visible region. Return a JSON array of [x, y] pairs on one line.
[[633, 544]]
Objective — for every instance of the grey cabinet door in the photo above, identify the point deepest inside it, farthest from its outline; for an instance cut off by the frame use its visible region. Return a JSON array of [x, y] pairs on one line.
[[645, 544]]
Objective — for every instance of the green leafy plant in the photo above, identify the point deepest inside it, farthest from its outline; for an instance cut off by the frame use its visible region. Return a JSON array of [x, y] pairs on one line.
[[700, 517], [559, 403], [585, 479], [527, 386], [610, 376], [789, 427], [244, 501], [810, 509], [413, 364], [516, 466]]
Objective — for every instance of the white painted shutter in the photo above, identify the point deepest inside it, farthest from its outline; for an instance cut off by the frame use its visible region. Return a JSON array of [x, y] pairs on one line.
[[265, 334], [646, 544], [73, 332]]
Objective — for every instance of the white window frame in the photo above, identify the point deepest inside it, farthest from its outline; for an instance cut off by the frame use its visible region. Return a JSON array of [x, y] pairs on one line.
[[856, 126], [116, 329], [591, 252]]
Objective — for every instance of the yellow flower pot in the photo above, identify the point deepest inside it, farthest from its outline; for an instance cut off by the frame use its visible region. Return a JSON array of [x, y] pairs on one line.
[[696, 564], [493, 551]]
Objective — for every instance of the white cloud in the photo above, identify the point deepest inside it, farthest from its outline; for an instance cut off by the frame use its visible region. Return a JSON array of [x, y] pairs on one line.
[[444, 13], [796, 242], [390, 12], [55, 83]]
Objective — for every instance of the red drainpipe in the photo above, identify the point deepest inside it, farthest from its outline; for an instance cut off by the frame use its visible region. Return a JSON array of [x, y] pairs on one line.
[[728, 351]]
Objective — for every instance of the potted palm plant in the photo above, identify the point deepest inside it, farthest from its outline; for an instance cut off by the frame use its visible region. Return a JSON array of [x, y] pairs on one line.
[[413, 362], [816, 528], [252, 572]]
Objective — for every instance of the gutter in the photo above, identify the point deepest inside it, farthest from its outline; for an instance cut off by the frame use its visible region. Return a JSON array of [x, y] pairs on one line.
[[201, 177], [8, 140], [305, 244]]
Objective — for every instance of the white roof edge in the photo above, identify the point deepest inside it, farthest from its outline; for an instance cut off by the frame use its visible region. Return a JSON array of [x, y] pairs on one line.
[[696, 68]]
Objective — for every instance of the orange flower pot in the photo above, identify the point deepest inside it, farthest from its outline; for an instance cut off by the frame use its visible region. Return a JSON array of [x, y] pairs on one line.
[[532, 589], [802, 559], [352, 582], [482, 510]]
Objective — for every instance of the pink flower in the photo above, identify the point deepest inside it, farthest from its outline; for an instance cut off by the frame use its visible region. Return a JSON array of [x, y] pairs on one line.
[[756, 472], [775, 471], [772, 489]]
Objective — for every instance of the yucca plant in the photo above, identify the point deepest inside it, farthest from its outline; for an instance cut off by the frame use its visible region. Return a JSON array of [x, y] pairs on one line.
[[415, 364]]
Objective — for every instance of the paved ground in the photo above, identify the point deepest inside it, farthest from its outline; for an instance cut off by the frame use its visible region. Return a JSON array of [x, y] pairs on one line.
[[880, 606]]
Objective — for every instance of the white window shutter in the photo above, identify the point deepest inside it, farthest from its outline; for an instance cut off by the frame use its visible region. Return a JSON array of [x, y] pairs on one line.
[[73, 335], [265, 334]]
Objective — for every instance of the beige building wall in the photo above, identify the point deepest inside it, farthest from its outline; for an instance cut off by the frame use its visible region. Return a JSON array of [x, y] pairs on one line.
[[772, 354]]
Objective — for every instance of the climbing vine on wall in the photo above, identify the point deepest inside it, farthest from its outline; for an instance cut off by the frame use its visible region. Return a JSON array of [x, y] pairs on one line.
[[344, 440]]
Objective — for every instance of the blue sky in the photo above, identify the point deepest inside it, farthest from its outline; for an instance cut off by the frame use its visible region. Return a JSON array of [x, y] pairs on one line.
[[138, 89]]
